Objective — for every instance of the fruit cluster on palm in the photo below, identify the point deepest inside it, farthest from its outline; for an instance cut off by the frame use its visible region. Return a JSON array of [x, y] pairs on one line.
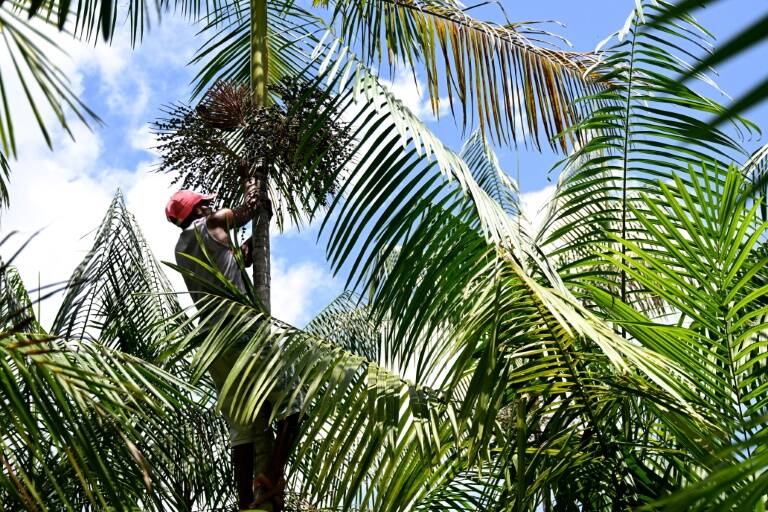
[[614, 359]]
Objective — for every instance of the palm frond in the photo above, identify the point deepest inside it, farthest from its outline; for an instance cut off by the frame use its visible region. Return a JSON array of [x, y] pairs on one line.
[[74, 419], [473, 316], [5, 172], [745, 475], [346, 322], [487, 171], [33, 69], [744, 40], [224, 55], [512, 78], [428, 232], [94, 19], [118, 294], [16, 308], [648, 128], [757, 170], [703, 255], [344, 459], [168, 449]]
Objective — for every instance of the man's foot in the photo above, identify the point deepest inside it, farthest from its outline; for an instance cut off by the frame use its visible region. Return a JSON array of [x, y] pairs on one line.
[[270, 496], [260, 504]]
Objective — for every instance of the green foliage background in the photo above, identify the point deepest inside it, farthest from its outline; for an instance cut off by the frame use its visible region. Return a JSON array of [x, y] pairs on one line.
[[614, 360]]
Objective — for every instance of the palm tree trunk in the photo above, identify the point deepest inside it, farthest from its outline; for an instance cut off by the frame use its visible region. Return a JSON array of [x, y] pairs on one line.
[[261, 220]]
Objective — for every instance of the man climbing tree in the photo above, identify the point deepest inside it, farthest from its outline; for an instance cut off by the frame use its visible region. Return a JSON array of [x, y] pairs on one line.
[[291, 152], [259, 456]]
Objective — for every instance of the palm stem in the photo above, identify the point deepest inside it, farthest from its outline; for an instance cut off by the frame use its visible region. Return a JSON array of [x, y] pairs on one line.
[[261, 220], [259, 52]]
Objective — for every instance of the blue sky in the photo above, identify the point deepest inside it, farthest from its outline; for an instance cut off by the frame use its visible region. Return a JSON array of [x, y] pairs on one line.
[[66, 191]]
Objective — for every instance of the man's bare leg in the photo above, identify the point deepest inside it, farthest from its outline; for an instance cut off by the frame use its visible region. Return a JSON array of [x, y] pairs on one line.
[[287, 435], [242, 462], [263, 447]]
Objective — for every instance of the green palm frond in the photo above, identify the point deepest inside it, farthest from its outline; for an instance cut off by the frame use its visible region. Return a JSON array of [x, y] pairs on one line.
[[428, 232], [512, 78], [74, 420], [513, 337], [225, 53], [118, 294], [5, 172], [487, 171], [346, 322], [744, 40], [648, 128], [94, 19], [32, 69], [464, 493], [739, 484], [757, 170], [168, 450], [703, 255], [382, 460], [31, 52], [16, 308], [707, 241]]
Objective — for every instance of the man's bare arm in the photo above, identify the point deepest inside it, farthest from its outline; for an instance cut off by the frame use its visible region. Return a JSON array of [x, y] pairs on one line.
[[239, 216]]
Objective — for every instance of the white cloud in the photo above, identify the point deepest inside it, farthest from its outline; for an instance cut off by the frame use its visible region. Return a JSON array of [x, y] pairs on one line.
[[413, 93], [293, 287], [143, 139], [534, 205], [53, 193]]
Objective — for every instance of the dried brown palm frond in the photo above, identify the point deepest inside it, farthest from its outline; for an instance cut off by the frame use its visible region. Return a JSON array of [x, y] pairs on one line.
[[514, 79], [227, 106]]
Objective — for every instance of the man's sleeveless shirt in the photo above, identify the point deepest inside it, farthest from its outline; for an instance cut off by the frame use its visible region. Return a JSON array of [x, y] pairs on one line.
[[220, 254]]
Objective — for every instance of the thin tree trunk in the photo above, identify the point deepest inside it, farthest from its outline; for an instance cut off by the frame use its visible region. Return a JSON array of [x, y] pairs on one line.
[[259, 69]]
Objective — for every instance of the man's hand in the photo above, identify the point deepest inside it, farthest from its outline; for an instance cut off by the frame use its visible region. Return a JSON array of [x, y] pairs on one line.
[[244, 170], [237, 217], [247, 253]]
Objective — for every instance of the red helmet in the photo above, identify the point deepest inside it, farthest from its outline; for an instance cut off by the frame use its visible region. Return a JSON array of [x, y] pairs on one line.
[[181, 204]]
